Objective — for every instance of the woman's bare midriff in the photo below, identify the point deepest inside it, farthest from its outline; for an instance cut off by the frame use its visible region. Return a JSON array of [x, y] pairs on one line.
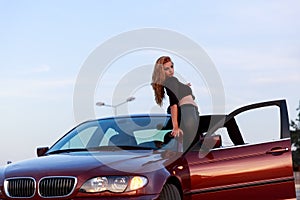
[[187, 100]]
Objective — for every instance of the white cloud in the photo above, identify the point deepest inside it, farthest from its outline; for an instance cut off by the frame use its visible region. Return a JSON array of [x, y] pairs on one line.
[[285, 79], [41, 68], [30, 88], [261, 59]]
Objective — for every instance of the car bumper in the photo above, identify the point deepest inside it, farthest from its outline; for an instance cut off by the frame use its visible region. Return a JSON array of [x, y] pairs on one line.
[[143, 197]]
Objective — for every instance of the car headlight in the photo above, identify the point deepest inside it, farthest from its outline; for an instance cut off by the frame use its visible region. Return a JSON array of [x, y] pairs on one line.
[[116, 184]]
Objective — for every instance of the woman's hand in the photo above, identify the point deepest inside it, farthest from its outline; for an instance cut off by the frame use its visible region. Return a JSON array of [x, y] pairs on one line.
[[176, 132]]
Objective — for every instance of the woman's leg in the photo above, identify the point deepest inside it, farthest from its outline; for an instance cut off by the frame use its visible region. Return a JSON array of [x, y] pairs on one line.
[[189, 123]]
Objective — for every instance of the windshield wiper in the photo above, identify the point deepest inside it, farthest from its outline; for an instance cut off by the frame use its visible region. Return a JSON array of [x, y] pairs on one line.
[[135, 148], [118, 148], [65, 151], [101, 148]]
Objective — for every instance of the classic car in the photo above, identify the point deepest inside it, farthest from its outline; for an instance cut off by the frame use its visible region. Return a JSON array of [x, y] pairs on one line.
[[135, 157]]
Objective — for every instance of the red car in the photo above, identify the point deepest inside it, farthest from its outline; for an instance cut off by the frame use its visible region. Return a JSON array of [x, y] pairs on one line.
[[243, 155]]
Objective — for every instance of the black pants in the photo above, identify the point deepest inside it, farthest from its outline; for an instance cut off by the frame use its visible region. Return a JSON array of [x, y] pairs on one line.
[[189, 123]]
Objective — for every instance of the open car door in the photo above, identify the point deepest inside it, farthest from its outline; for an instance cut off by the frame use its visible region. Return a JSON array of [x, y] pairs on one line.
[[254, 162]]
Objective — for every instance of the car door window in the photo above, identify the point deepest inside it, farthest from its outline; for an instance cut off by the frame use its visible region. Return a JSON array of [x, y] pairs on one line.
[[223, 132], [259, 125]]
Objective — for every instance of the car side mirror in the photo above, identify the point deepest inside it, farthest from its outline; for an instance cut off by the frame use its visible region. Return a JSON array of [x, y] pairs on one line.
[[40, 151], [211, 141]]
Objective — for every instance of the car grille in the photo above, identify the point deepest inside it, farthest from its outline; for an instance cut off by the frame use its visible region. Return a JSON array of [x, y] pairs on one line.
[[48, 187], [20, 187], [56, 186]]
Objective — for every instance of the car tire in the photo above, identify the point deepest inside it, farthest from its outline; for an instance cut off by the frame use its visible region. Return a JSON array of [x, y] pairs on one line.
[[169, 192]]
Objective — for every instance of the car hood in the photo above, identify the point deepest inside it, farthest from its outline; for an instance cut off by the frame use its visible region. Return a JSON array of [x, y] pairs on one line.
[[75, 163]]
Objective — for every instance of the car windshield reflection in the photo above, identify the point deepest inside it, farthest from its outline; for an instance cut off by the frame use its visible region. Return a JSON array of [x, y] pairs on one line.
[[129, 133]]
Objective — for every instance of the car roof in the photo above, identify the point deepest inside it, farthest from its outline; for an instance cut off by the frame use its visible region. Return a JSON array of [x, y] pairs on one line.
[[154, 115], [134, 116]]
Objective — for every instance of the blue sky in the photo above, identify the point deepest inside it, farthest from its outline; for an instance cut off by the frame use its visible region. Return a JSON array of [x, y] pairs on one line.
[[255, 46]]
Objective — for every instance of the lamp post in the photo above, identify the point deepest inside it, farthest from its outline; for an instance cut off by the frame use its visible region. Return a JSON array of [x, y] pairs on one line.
[[117, 105]]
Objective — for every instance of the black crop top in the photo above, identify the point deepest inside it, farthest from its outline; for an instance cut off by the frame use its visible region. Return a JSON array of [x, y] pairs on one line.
[[176, 90]]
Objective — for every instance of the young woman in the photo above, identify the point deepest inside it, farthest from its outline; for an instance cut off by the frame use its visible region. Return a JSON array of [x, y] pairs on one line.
[[184, 110]]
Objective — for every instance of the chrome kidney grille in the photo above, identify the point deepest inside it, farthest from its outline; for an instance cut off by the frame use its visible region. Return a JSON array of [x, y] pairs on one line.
[[56, 186], [48, 187], [20, 187]]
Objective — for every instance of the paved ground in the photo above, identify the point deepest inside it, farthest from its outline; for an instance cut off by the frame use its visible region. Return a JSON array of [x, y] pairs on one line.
[[297, 182]]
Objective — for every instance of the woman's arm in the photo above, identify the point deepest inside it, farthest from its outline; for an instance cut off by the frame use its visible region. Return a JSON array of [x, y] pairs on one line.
[[174, 115]]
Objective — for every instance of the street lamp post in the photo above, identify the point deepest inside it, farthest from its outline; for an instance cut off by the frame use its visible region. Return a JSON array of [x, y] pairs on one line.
[[117, 105]]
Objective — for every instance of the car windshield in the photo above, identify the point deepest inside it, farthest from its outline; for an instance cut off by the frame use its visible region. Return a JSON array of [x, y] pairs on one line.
[[139, 132]]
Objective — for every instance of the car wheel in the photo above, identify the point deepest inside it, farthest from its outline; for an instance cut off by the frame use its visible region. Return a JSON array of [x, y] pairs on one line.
[[169, 192]]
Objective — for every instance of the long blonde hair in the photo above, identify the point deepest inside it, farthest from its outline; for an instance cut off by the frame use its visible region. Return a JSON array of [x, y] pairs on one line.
[[158, 79]]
